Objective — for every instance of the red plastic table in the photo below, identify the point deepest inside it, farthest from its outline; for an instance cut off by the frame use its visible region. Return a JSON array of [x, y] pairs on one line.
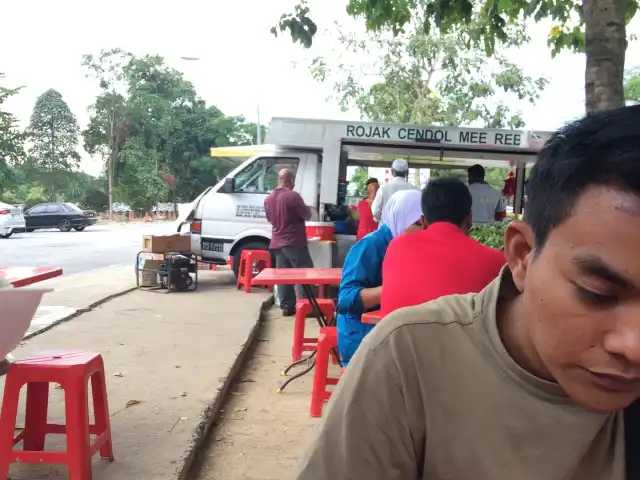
[[372, 318], [298, 276], [23, 276], [306, 278]]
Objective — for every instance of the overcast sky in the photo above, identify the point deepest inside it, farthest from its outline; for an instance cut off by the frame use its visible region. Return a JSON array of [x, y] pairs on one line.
[[240, 64]]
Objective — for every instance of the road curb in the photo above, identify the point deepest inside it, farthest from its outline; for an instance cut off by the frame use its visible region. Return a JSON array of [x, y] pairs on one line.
[[212, 412], [78, 312]]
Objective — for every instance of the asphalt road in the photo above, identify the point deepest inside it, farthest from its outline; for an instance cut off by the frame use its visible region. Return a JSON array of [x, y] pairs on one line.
[[96, 247]]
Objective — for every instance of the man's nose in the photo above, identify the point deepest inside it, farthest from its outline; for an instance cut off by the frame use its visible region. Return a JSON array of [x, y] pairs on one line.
[[624, 339]]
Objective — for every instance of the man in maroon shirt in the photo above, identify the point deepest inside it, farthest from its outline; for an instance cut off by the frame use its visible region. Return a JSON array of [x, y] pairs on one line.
[[287, 213], [441, 260]]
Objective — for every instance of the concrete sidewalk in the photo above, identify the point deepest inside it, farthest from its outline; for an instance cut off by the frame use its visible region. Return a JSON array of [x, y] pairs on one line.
[[174, 353], [79, 293]]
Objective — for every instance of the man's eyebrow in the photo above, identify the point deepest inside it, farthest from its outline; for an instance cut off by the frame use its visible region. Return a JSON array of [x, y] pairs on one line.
[[594, 265]]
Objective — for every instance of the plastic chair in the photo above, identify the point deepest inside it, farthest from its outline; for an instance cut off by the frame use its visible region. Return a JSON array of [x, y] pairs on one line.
[[303, 308], [327, 340], [248, 261], [72, 370]]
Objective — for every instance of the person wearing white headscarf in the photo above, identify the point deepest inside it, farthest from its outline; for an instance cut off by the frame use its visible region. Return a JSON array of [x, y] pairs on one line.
[[360, 286], [402, 210]]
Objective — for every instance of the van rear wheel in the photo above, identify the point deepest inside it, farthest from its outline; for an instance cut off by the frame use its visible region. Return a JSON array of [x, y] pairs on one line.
[[249, 246]]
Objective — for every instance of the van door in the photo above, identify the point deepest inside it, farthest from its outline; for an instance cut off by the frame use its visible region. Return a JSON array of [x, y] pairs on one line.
[[228, 217]]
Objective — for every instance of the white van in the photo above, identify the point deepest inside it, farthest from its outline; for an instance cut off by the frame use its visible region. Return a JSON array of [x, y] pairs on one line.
[[230, 216]]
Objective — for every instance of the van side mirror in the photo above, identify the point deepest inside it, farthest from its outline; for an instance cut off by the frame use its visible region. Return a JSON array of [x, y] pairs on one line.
[[229, 185]]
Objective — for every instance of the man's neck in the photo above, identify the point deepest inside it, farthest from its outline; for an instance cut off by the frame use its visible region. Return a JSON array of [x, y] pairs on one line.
[[515, 335]]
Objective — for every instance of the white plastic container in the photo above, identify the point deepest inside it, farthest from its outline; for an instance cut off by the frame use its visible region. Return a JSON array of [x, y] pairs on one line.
[[17, 308], [321, 253]]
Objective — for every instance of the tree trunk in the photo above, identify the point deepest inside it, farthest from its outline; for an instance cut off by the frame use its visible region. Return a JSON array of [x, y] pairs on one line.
[[52, 166], [111, 158], [110, 180], [605, 48]]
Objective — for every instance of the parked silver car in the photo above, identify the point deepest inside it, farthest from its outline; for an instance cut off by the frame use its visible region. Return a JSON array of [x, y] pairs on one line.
[[11, 220]]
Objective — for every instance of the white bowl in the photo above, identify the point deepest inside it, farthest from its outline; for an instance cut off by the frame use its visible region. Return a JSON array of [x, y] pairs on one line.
[[17, 308]]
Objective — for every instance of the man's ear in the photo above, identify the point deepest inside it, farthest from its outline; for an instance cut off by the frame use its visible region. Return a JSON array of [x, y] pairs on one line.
[[518, 250]]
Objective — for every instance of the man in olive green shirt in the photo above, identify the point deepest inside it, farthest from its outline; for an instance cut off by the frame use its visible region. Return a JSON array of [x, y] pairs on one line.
[[526, 380]]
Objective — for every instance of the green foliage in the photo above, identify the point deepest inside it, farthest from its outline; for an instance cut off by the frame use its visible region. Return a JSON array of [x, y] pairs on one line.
[[53, 133], [359, 178], [301, 27], [26, 193], [428, 79], [108, 124], [28, 187], [632, 85], [491, 235], [485, 23], [147, 124], [496, 176], [141, 184], [595, 27], [11, 140]]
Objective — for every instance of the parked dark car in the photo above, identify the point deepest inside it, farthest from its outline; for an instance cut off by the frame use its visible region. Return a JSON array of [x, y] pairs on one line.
[[64, 216]]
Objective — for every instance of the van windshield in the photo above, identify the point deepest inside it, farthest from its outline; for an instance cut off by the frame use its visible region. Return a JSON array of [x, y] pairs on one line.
[[261, 176]]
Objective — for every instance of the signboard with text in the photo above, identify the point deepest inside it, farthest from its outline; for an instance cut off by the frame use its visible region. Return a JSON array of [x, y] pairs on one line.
[[446, 135]]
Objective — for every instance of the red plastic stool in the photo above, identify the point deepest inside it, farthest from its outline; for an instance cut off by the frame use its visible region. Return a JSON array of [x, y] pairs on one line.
[[303, 308], [72, 370], [245, 270], [327, 339]]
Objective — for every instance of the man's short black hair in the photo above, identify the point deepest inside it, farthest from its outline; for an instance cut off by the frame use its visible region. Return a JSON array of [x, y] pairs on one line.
[[602, 148], [371, 180], [446, 199], [476, 172]]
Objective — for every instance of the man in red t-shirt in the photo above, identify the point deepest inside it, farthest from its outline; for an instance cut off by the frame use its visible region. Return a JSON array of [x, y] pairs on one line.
[[287, 213], [442, 259]]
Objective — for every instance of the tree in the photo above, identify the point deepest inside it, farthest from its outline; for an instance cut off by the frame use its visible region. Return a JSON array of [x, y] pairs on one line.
[[595, 27], [632, 85], [428, 79], [140, 184], [179, 127], [108, 125], [149, 125], [53, 132], [11, 140], [359, 179]]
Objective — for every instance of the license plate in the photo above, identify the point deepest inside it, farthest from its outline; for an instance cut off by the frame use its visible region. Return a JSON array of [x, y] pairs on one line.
[[212, 246], [16, 216]]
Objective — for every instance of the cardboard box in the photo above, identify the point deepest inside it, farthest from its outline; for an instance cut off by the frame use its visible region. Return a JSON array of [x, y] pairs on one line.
[[166, 243], [149, 273], [149, 256]]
